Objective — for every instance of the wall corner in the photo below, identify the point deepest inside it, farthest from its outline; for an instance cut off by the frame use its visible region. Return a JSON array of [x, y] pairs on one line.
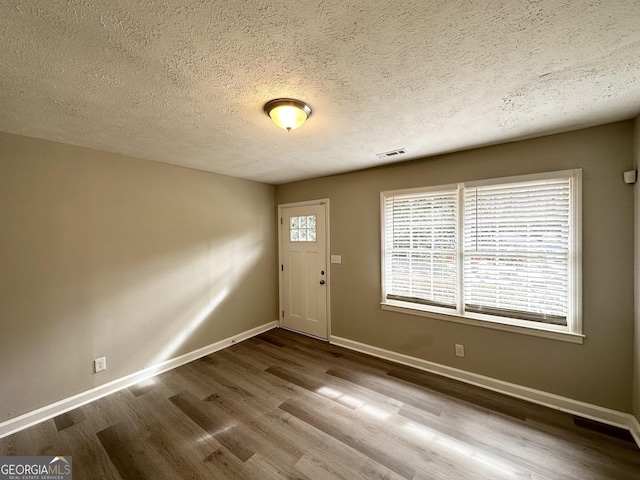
[[636, 242]]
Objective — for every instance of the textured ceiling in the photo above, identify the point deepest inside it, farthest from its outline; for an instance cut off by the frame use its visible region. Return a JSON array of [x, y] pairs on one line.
[[184, 81]]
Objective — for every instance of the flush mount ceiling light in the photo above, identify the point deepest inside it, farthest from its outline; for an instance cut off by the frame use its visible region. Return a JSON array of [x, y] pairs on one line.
[[287, 113]]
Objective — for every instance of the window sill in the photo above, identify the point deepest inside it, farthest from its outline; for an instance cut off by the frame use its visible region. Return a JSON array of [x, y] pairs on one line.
[[524, 330]]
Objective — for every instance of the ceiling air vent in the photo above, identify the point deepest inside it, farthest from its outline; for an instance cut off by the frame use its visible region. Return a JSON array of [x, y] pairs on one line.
[[391, 154]]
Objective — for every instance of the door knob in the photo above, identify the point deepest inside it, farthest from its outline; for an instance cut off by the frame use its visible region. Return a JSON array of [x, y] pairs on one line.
[[321, 282]]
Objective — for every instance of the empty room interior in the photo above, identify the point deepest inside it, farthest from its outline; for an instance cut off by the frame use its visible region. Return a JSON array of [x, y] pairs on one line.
[[321, 240]]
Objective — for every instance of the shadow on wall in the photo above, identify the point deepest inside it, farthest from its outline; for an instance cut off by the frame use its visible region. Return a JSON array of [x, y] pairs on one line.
[[148, 305], [189, 301], [245, 254], [109, 256]]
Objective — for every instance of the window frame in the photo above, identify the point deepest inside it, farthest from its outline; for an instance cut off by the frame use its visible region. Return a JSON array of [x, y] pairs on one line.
[[572, 332]]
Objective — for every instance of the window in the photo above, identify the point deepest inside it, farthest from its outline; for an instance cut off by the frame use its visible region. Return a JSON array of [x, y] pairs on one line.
[[302, 229], [497, 252]]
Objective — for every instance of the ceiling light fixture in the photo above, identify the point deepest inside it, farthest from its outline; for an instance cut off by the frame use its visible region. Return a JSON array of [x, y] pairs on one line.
[[287, 113]]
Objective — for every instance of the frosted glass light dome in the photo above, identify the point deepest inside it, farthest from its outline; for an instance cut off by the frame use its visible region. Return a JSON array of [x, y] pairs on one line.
[[288, 113]]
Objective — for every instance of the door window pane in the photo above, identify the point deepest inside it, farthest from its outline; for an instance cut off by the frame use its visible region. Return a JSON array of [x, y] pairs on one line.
[[302, 228]]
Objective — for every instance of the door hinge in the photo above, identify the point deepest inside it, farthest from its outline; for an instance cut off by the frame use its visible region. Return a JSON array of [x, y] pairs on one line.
[[282, 268], [282, 313], [280, 220]]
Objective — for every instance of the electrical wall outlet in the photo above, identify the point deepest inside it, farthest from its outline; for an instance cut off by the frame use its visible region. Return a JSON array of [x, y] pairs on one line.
[[459, 350], [100, 364]]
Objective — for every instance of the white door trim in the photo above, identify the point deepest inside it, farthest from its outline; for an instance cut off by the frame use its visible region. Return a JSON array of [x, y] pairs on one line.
[[325, 202]]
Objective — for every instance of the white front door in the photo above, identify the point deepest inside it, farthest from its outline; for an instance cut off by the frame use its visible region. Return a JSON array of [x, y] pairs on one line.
[[303, 269]]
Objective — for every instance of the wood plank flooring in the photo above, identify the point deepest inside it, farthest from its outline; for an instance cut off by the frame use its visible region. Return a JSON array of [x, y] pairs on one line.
[[285, 406]]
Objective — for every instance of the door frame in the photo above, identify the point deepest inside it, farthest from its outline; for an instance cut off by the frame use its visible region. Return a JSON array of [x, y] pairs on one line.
[[325, 202]]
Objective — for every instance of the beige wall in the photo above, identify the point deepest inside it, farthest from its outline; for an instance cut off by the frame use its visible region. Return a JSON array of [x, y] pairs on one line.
[[104, 255], [600, 370], [636, 357]]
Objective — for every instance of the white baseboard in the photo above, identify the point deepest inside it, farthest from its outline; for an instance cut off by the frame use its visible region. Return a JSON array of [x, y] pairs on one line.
[[635, 430], [45, 413], [568, 405]]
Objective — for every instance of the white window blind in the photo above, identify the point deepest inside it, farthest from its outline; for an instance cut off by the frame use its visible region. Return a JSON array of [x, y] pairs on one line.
[[516, 250], [420, 241], [503, 250]]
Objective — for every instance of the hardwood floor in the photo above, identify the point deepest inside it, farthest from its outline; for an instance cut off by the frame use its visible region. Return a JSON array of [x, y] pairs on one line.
[[285, 406]]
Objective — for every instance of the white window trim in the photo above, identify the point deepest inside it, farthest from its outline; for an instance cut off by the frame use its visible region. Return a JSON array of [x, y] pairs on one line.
[[571, 333]]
